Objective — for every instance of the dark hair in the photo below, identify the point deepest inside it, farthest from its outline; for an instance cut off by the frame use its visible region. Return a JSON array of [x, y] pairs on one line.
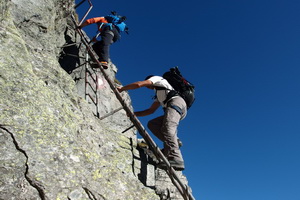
[[148, 77]]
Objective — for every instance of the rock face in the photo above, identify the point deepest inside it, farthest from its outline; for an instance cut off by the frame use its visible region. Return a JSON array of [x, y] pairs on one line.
[[53, 143]]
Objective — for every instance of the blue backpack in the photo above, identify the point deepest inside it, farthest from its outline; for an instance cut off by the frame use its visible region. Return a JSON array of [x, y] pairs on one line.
[[118, 21]]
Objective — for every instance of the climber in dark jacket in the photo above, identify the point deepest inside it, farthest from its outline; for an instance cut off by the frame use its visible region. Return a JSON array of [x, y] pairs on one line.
[[109, 33]]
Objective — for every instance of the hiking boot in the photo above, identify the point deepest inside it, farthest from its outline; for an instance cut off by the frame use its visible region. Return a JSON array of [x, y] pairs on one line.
[[104, 64], [179, 145], [176, 164]]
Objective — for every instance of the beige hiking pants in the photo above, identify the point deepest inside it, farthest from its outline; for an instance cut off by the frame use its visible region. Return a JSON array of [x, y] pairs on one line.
[[165, 128]]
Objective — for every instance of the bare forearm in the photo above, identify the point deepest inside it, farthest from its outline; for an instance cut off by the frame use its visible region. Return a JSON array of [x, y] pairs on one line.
[[92, 21], [131, 86], [84, 24], [143, 113], [135, 85], [148, 111]]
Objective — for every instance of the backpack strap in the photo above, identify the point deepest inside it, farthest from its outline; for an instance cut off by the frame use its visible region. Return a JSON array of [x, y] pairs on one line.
[[160, 88], [171, 94]]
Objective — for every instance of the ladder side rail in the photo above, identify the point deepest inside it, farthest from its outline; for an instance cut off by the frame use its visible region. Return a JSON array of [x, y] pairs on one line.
[[77, 5], [185, 191], [135, 121], [181, 187], [87, 83], [86, 88], [85, 77], [91, 87], [144, 133], [171, 172], [87, 12], [91, 75], [93, 100], [97, 99], [177, 185]]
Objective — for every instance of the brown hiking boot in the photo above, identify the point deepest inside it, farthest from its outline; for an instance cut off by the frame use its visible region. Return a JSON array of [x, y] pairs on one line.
[[178, 165], [104, 64]]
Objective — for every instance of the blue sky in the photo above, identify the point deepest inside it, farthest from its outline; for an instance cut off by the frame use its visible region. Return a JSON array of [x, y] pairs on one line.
[[241, 137]]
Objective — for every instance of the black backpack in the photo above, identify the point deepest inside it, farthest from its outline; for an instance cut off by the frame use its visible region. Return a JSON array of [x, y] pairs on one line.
[[182, 87]]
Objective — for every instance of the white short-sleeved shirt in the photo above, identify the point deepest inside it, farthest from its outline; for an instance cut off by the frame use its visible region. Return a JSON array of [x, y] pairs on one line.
[[161, 95]]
